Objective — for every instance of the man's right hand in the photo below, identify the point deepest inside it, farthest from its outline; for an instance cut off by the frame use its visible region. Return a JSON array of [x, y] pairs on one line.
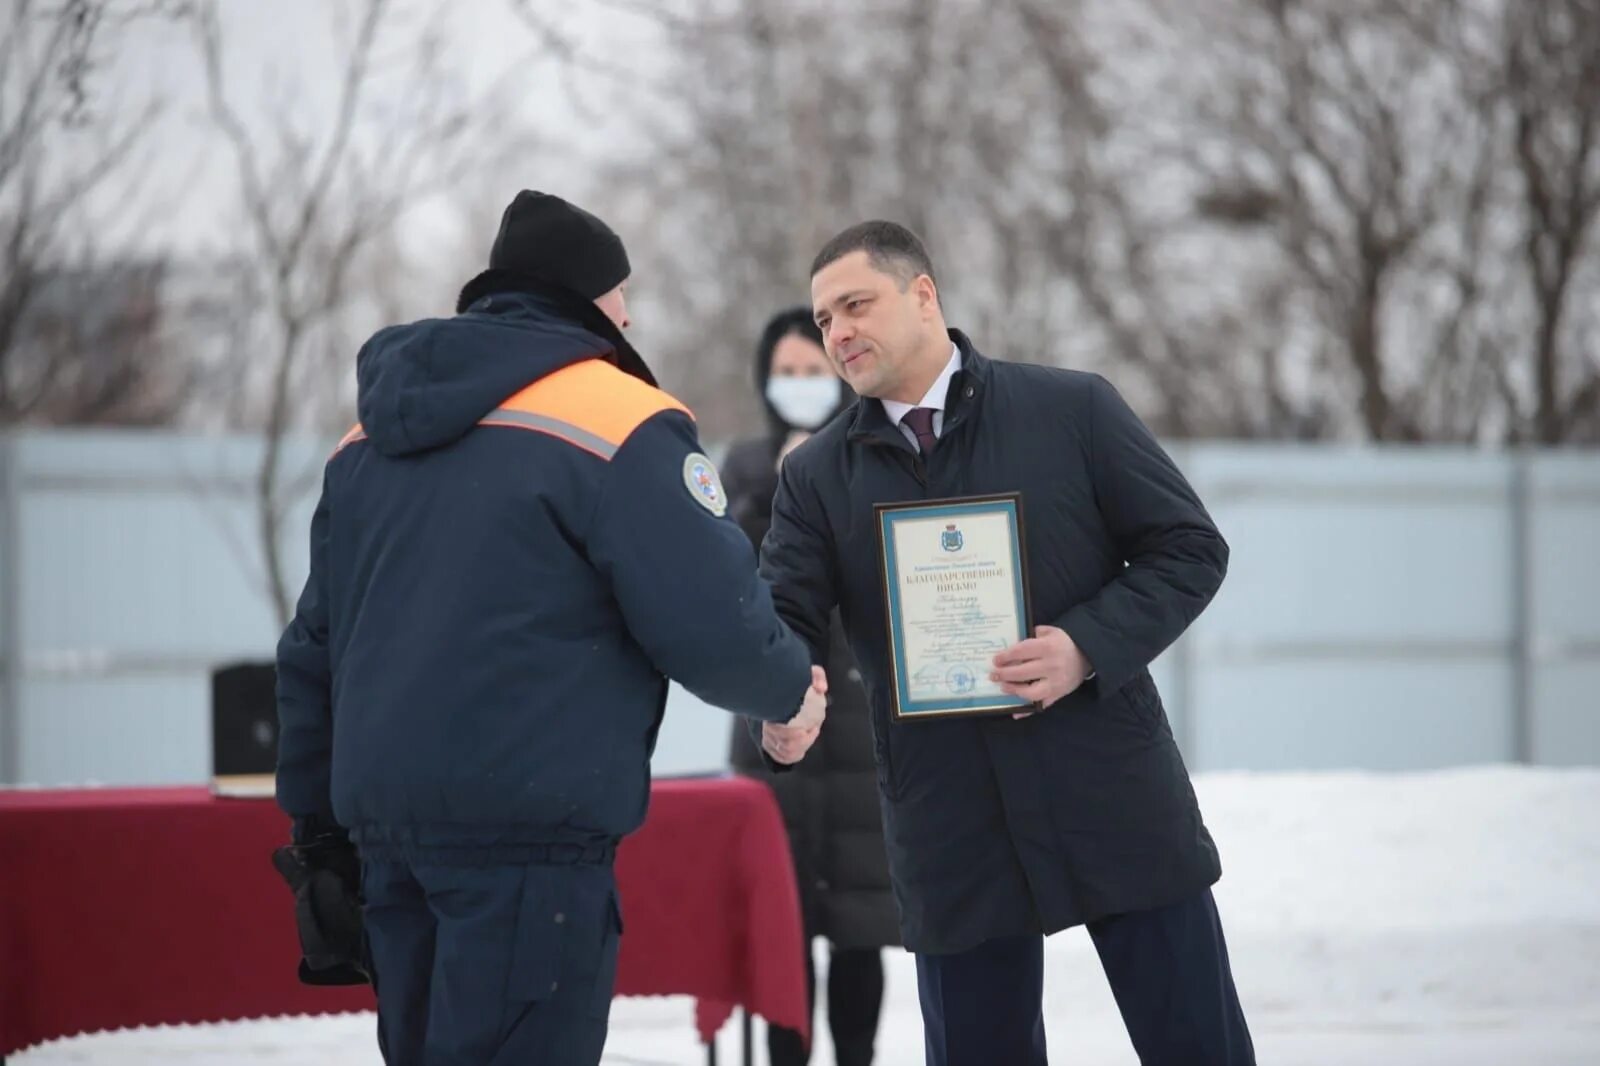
[[788, 742]]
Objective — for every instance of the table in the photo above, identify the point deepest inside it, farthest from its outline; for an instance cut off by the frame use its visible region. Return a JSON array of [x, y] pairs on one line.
[[127, 907]]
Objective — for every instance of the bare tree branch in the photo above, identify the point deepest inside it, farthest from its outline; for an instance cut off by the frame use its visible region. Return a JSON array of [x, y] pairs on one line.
[[1552, 73], [55, 153], [322, 207], [1308, 223]]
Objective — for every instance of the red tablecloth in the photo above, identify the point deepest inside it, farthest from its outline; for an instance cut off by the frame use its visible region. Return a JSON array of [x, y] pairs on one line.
[[124, 907]]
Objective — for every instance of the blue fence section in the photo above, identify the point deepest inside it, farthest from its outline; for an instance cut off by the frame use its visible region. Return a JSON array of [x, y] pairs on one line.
[[1386, 608]]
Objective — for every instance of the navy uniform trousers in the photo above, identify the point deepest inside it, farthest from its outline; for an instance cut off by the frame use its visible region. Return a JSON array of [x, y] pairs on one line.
[[492, 965], [1168, 970]]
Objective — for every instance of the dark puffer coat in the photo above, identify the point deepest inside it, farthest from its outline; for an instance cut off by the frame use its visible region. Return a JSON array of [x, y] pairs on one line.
[[830, 799]]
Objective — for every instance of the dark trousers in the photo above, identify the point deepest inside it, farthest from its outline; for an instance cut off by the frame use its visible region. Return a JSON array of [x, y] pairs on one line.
[[491, 966], [1168, 969], [855, 998]]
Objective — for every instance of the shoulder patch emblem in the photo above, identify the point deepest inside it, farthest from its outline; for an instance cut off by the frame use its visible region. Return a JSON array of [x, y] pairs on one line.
[[705, 485]]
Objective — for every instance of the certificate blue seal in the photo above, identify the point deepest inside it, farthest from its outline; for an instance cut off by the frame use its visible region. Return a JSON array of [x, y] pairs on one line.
[[960, 680]]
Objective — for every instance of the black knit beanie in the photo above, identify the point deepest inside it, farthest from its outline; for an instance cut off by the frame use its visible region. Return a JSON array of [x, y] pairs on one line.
[[545, 237]]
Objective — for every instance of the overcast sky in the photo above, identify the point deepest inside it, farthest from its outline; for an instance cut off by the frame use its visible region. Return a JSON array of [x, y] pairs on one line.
[[284, 56]]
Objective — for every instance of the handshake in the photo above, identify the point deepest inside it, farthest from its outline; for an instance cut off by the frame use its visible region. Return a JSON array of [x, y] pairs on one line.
[[789, 741]]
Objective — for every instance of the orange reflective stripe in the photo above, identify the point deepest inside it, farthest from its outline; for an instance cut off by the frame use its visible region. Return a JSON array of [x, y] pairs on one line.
[[591, 404], [356, 433], [553, 427]]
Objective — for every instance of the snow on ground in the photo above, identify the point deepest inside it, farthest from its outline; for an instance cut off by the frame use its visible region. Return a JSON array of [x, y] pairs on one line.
[[1440, 918]]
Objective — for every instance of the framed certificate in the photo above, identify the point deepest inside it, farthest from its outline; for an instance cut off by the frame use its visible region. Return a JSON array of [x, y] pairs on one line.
[[955, 590]]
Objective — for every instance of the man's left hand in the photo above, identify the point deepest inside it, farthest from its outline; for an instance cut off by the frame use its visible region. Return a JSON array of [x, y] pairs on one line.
[[1042, 669], [325, 876]]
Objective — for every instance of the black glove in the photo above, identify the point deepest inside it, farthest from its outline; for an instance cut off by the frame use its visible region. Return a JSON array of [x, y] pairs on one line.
[[325, 876]]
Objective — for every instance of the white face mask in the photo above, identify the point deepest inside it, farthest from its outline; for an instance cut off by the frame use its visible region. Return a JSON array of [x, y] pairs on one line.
[[804, 403]]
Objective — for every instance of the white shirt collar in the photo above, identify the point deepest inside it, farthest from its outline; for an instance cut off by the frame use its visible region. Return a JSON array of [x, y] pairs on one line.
[[936, 393]]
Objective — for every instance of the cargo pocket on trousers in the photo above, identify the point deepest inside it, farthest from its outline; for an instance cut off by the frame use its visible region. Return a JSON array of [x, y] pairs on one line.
[[539, 943], [568, 933]]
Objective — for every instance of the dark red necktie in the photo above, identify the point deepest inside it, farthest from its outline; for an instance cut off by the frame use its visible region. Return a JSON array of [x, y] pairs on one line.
[[920, 419]]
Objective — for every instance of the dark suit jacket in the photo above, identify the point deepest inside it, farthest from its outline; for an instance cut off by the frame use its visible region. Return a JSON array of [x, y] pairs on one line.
[[997, 826]]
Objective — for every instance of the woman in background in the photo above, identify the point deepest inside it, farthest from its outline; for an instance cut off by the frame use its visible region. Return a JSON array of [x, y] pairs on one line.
[[830, 798]]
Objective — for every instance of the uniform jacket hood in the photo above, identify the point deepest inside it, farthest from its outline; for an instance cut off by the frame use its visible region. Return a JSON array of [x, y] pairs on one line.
[[426, 384]]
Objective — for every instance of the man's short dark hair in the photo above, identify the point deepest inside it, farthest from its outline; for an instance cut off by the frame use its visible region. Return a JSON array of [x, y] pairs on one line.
[[893, 250]]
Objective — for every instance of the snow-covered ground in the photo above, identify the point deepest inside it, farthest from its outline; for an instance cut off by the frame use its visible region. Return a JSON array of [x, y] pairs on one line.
[[1442, 918]]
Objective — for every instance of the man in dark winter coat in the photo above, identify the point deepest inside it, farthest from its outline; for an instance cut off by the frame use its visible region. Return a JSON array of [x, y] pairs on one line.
[[1003, 828], [515, 549], [830, 801]]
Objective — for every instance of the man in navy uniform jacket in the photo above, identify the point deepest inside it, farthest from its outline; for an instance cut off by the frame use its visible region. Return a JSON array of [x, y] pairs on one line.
[[514, 550]]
